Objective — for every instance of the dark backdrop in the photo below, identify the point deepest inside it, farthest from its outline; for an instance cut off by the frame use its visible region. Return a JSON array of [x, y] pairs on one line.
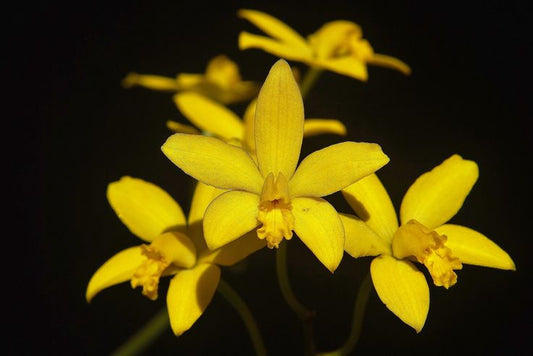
[[74, 129]]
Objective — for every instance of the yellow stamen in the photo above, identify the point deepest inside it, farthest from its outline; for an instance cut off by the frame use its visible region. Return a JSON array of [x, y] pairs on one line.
[[428, 247], [275, 211], [149, 272]]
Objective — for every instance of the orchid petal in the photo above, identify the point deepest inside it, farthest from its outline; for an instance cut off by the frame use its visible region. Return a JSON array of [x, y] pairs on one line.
[[360, 240], [279, 121], [144, 208], [213, 162], [436, 196], [333, 168], [273, 27], [189, 294], [402, 288], [473, 248], [313, 127], [317, 224], [230, 216], [119, 268], [209, 116], [371, 202]]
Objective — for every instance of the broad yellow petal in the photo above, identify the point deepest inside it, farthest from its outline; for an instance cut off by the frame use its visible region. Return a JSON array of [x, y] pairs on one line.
[[209, 116], [144, 208], [273, 27], [189, 293], [155, 82], [389, 62], [181, 128], [333, 168], [371, 202], [318, 225], [117, 269], [279, 122], [230, 216], [360, 240], [473, 248], [279, 49], [213, 162], [234, 251], [313, 127], [436, 196], [402, 288], [350, 66]]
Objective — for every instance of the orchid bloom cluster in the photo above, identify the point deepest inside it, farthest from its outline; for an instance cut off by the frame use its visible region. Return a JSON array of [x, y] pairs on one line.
[[254, 192]]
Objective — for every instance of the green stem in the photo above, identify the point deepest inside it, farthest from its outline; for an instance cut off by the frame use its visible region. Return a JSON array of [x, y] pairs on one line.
[[238, 303], [305, 315], [144, 337], [309, 80], [357, 320]]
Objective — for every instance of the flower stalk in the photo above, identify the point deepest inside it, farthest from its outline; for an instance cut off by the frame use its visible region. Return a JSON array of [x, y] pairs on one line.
[[138, 342], [240, 306]]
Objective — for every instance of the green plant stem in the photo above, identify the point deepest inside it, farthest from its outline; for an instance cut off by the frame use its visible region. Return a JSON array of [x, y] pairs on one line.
[[309, 80], [238, 303], [304, 314], [357, 320], [145, 336]]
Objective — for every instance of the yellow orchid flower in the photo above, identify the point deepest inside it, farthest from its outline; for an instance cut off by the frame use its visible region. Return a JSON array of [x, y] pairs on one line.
[[423, 236], [175, 248], [221, 81], [218, 120], [337, 46], [272, 192]]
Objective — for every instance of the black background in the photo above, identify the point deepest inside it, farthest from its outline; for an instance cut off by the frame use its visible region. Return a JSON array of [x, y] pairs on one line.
[[72, 129]]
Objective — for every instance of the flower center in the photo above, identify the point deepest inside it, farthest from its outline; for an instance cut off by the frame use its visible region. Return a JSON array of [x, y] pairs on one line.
[[223, 72], [275, 211], [428, 247], [148, 273]]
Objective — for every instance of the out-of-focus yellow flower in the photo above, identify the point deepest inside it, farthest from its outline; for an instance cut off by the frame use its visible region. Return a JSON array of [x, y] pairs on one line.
[[337, 46], [221, 122], [176, 247], [423, 236], [272, 192], [221, 81]]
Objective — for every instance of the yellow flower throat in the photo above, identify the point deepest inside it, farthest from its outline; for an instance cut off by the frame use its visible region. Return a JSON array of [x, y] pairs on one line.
[[428, 247], [148, 273], [275, 211]]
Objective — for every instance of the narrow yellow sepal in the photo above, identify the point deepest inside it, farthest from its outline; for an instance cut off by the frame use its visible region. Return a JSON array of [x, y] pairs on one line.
[[371, 202], [313, 127], [273, 27], [118, 269], [279, 121], [473, 248], [213, 162], [209, 116]]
